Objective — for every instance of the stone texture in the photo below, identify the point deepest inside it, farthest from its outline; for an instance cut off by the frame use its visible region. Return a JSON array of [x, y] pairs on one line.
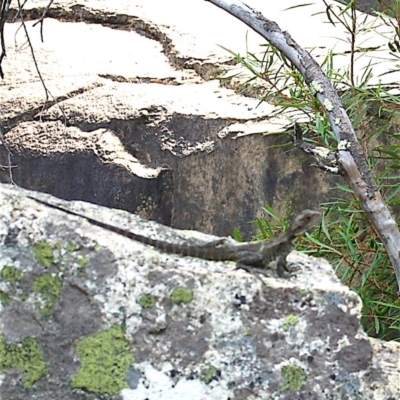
[[132, 119], [130, 322]]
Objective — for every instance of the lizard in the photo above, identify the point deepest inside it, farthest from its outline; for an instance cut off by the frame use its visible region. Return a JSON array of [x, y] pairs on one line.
[[247, 255]]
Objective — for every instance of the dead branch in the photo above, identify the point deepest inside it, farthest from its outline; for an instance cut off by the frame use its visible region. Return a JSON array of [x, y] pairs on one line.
[[4, 7]]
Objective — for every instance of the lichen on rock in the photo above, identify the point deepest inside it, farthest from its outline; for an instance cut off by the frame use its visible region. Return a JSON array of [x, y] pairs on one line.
[[26, 357], [105, 361]]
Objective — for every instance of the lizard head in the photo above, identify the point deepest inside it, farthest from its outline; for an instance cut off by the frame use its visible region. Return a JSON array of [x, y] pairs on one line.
[[304, 221]]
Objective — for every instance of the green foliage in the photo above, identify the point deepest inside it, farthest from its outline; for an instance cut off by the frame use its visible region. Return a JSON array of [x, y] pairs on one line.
[[351, 245], [347, 240], [345, 237], [270, 229]]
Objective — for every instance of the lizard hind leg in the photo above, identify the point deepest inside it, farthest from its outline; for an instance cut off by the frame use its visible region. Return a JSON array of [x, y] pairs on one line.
[[281, 267], [246, 264], [252, 271]]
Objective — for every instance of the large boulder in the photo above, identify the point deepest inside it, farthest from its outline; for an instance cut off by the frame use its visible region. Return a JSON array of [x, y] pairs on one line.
[[86, 313]]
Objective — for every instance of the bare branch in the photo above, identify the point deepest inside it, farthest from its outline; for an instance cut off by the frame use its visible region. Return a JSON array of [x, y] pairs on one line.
[[32, 51], [5, 6], [41, 19]]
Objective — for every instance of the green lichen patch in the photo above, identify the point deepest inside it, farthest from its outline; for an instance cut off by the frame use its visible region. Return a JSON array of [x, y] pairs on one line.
[[71, 247], [49, 288], [209, 373], [293, 378], [23, 297], [82, 262], [4, 298], [105, 361], [11, 274], [158, 330], [291, 320], [147, 301], [44, 253], [181, 295], [26, 357]]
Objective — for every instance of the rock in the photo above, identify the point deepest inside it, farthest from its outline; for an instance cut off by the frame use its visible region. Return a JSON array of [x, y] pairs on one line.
[[136, 121], [86, 313]]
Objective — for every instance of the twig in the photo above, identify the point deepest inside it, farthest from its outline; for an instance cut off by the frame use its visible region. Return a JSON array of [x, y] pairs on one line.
[[5, 6]]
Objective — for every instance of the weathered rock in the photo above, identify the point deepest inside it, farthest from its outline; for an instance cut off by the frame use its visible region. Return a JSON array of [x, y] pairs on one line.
[[86, 313], [135, 121]]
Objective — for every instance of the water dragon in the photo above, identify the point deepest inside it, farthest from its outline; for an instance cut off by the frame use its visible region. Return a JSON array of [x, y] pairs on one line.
[[247, 255]]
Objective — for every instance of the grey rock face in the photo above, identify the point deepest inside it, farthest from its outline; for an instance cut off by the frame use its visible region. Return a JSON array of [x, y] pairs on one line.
[[86, 313]]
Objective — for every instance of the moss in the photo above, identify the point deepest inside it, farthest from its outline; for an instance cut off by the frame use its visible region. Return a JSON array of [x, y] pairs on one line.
[[208, 374], [11, 274], [26, 357], [291, 320], [82, 262], [71, 247], [105, 361], [181, 295], [44, 253], [147, 301], [23, 297], [4, 298], [49, 287], [157, 330], [293, 377], [246, 331]]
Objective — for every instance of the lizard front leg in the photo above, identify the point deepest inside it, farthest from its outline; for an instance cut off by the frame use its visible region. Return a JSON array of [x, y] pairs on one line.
[[281, 266], [253, 262]]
